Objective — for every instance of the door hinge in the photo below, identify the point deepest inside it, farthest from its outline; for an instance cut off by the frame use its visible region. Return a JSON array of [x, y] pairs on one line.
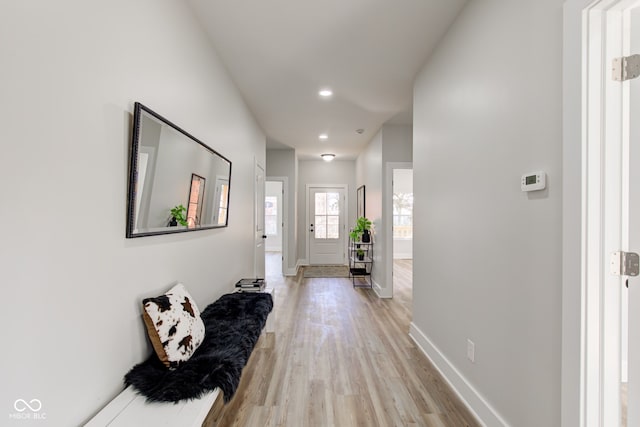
[[625, 263], [625, 68]]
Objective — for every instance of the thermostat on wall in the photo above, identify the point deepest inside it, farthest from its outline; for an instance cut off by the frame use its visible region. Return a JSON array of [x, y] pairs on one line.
[[533, 181]]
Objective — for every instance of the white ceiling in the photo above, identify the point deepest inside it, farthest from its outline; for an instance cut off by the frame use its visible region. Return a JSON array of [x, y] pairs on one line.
[[280, 53]]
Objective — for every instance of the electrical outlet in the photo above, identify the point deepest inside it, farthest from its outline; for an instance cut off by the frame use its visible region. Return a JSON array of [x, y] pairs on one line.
[[471, 350]]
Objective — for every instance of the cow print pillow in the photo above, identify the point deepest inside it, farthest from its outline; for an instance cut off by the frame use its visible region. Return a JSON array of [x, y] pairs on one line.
[[174, 325]]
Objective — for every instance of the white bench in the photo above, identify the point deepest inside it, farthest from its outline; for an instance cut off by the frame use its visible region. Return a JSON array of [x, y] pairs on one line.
[[129, 409]]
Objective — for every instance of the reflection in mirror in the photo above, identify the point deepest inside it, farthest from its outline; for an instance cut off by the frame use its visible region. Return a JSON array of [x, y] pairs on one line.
[[169, 179], [196, 194]]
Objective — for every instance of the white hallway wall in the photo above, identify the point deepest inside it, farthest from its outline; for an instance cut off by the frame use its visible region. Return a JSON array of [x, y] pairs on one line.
[[73, 284], [284, 163], [369, 173], [393, 143], [487, 109]]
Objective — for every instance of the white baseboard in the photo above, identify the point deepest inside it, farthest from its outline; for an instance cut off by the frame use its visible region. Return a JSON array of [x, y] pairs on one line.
[[380, 291], [402, 256], [479, 407], [291, 271], [300, 263]]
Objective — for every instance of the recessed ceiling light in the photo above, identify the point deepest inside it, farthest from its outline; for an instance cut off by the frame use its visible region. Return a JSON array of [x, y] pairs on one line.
[[323, 136], [325, 93], [360, 131], [327, 157]]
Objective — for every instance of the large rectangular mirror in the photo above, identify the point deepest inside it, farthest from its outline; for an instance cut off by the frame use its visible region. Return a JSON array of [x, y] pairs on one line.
[[176, 182]]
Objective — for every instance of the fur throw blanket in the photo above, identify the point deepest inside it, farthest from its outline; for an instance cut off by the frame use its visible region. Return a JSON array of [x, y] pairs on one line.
[[232, 327]]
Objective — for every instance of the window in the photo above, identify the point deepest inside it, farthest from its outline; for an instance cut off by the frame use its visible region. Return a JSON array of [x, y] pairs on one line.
[[402, 215], [271, 215], [327, 216]]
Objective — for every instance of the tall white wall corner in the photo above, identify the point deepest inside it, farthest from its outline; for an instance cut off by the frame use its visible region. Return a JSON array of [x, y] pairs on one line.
[[380, 291], [301, 263], [479, 407]]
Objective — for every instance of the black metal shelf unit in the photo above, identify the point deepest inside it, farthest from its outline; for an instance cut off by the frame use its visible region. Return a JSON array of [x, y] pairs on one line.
[[360, 263]]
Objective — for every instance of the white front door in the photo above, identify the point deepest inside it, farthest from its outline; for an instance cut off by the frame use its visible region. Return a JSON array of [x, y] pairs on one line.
[[326, 228], [258, 219]]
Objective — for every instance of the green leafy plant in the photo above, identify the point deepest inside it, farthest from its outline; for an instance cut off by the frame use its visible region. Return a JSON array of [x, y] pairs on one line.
[[179, 213], [360, 253], [362, 224]]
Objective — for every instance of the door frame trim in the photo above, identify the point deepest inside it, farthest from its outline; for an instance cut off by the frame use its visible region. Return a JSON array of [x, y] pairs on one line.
[[589, 201], [345, 218]]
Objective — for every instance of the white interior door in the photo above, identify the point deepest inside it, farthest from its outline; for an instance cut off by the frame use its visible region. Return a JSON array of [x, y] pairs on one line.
[[326, 215], [258, 218], [605, 231], [611, 166], [631, 296]]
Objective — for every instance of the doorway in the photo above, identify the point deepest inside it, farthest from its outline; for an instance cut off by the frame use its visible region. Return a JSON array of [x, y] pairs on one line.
[[402, 211], [398, 225], [275, 220], [326, 213]]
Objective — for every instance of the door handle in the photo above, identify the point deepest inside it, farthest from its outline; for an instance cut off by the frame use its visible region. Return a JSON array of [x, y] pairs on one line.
[[264, 236], [311, 228]]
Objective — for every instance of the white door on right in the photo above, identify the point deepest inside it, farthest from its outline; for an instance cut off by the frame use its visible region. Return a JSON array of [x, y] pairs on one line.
[[258, 206], [633, 292]]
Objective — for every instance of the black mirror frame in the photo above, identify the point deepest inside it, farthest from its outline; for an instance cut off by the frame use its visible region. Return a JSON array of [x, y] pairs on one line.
[[133, 168]]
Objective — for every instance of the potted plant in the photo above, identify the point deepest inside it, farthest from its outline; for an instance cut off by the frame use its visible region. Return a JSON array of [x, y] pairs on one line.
[[178, 216], [360, 232], [360, 254], [365, 225]]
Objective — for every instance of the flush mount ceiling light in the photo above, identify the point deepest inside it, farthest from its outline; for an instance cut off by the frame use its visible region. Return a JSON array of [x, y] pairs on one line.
[[327, 157], [325, 93], [323, 136]]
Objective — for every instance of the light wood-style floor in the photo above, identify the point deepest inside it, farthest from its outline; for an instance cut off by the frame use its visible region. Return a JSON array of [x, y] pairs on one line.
[[340, 357]]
